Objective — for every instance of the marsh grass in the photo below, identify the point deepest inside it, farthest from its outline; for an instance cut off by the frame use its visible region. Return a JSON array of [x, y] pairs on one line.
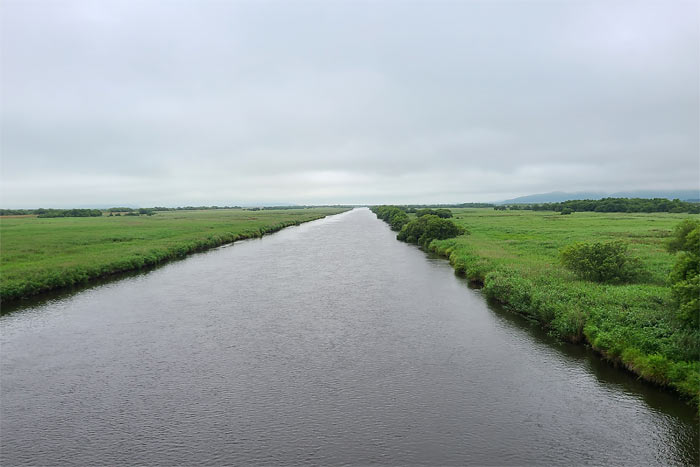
[[38, 255], [515, 256]]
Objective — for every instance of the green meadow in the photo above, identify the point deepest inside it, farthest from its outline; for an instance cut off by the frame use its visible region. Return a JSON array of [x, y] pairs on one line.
[[515, 256], [38, 255]]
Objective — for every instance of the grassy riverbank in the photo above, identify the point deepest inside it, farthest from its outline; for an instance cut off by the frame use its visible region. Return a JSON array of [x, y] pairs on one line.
[[38, 255], [515, 256]]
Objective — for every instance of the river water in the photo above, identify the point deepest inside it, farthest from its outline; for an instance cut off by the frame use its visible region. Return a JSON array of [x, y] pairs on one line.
[[328, 343]]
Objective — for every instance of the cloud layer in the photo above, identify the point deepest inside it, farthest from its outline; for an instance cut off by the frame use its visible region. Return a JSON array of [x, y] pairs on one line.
[[210, 102]]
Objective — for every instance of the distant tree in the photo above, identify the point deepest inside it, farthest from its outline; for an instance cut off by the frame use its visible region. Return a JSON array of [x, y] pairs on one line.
[[120, 209], [620, 205], [68, 213], [443, 213]]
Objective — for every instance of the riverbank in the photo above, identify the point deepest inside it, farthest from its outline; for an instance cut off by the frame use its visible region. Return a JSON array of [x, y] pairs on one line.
[[40, 255], [513, 255]]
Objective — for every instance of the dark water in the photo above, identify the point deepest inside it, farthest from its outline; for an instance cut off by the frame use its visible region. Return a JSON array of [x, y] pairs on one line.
[[329, 343]]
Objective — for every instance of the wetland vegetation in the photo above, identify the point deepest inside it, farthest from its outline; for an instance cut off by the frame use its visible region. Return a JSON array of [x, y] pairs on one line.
[[630, 295], [42, 254]]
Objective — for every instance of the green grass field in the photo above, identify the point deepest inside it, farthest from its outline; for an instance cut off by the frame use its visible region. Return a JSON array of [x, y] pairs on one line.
[[515, 255], [38, 255]]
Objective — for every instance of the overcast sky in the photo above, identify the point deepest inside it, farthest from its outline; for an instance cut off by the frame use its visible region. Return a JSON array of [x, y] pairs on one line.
[[229, 102]]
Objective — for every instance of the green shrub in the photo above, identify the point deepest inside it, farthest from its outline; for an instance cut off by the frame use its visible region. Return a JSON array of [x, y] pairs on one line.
[[399, 220], [392, 215], [427, 228], [681, 239], [567, 211], [602, 262], [685, 275]]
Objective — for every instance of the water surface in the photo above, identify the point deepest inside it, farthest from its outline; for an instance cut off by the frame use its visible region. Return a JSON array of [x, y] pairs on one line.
[[329, 343]]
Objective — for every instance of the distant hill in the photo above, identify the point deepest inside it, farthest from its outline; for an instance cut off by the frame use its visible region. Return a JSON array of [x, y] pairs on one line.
[[559, 196]]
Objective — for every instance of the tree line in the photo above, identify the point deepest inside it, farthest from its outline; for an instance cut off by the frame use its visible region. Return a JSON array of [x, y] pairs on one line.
[[611, 205], [68, 213], [190, 208], [119, 210], [127, 211], [305, 206]]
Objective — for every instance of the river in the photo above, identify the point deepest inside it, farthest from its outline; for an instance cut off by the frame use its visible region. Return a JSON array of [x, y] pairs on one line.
[[329, 343]]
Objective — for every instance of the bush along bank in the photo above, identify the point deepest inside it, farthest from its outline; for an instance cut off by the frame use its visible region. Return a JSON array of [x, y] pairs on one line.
[[51, 279], [644, 327], [429, 224], [395, 216], [427, 228]]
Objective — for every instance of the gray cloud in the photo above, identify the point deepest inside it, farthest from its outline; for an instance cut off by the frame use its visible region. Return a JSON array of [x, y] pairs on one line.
[[167, 102]]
